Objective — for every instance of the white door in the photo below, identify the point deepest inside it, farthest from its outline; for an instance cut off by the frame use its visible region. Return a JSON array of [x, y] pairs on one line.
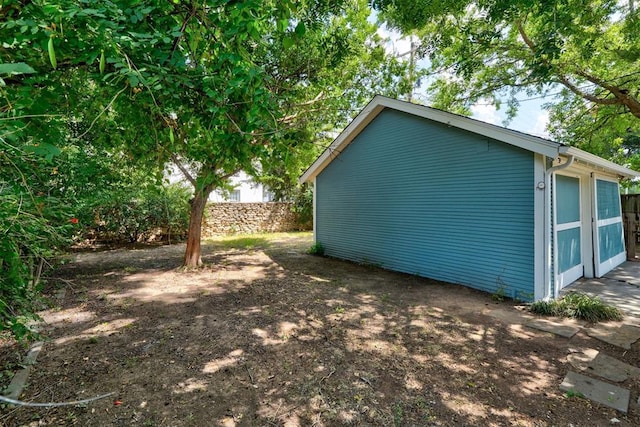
[[567, 234], [609, 234]]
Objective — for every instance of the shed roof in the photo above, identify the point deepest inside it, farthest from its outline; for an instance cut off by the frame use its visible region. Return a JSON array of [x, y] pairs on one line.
[[519, 139]]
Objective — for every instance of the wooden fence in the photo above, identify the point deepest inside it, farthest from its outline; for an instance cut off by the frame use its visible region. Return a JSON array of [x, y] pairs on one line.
[[631, 217]]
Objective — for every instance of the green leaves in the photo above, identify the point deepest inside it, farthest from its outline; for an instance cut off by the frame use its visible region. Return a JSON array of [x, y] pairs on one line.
[[44, 150], [102, 63], [52, 53], [15, 69], [499, 51]]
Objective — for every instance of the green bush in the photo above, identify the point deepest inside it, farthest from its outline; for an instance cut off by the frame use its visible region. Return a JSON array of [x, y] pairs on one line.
[[316, 249], [577, 305], [33, 228], [136, 215], [303, 206]]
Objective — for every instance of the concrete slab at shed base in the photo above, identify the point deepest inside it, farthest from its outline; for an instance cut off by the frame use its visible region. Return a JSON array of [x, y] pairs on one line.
[[609, 395], [621, 336], [602, 365], [565, 328]]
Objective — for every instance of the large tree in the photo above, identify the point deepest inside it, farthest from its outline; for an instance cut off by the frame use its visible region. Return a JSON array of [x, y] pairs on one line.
[[212, 86], [584, 55]]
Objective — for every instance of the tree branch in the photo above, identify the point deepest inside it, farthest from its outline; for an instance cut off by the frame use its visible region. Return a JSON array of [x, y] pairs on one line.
[[619, 96], [589, 97], [622, 95], [102, 112], [183, 169], [183, 27]]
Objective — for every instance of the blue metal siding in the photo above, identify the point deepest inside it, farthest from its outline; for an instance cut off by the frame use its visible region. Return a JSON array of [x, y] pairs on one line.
[[419, 197]]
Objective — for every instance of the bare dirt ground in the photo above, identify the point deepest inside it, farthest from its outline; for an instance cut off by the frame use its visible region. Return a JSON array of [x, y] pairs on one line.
[[267, 335]]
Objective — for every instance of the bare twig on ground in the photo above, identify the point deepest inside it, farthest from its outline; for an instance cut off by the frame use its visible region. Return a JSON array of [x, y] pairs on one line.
[[249, 372], [53, 404], [330, 373]]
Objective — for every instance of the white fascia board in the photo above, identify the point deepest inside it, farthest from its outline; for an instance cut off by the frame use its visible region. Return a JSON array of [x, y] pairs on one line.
[[599, 162], [379, 103]]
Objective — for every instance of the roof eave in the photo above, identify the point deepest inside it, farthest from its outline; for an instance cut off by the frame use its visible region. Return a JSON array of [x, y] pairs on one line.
[[599, 162]]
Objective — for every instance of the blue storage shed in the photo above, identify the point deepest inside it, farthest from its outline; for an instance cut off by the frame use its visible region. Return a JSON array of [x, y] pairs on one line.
[[426, 192]]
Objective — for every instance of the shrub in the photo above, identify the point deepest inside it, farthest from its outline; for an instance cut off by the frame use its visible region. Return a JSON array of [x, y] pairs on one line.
[[303, 206], [33, 230], [316, 249], [577, 305], [136, 215]]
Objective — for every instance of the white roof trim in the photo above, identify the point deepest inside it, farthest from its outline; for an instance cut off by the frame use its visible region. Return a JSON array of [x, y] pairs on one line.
[[528, 142], [598, 162]]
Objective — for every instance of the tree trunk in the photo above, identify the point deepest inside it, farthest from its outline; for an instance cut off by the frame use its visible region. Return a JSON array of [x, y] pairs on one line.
[[192, 258]]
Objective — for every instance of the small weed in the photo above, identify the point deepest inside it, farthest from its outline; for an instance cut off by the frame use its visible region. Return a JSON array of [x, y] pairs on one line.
[[71, 417], [398, 414], [130, 362], [501, 292], [316, 249], [93, 340], [572, 393], [339, 309], [499, 295], [577, 305], [130, 269]]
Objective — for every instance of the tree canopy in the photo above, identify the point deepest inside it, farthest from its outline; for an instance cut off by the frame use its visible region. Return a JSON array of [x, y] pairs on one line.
[[213, 86], [583, 55], [97, 97]]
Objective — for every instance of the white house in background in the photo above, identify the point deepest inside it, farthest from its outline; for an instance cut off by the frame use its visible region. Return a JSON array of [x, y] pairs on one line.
[[245, 190]]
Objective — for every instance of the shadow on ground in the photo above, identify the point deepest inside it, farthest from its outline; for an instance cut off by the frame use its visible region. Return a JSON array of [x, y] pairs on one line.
[[268, 335]]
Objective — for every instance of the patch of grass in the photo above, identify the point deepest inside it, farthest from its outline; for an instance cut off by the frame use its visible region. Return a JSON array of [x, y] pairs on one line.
[[407, 412], [577, 305], [316, 249], [572, 393], [244, 242], [398, 414]]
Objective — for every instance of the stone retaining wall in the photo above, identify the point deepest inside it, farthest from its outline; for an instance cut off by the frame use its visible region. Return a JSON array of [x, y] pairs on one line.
[[246, 218]]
